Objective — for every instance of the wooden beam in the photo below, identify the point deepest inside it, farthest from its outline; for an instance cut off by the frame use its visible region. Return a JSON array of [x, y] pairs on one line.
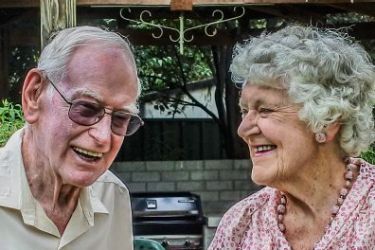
[[35, 3], [209, 2], [177, 5]]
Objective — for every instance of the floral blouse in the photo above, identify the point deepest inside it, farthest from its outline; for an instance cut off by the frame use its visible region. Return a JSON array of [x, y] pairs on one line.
[[252, 222]]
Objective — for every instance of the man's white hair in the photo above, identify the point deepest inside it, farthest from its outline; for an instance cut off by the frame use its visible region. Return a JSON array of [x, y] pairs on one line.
[[55, 57]]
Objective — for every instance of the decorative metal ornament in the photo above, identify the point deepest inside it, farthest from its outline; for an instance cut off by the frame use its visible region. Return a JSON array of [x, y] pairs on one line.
[[182, 36]]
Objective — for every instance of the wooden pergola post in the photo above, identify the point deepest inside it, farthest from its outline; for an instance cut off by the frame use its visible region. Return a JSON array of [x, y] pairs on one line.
[[56, 15]]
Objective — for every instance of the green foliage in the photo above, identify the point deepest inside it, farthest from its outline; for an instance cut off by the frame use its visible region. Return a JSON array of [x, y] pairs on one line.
[[343, 18], [11, 119], [369, 155], [162, 68], [159, 70]]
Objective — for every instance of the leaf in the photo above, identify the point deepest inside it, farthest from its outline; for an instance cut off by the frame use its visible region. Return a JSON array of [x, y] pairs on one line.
[[11, 119]]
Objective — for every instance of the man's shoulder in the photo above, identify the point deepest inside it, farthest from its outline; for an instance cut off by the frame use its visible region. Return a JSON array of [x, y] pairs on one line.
[[10, 171], [108, 188], [109, 178], [14, 143]]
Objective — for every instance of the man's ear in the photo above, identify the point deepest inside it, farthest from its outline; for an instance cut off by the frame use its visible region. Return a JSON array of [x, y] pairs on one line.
[[332, 130], [31, 92]]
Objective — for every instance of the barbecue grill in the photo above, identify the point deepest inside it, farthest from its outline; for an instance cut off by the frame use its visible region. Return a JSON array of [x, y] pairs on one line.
[[174, 219]]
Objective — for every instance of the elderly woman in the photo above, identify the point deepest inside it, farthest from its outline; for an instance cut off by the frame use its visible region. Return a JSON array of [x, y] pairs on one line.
[[306, 104]]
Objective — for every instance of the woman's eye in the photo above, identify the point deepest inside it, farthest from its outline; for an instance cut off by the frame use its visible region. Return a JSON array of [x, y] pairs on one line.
[[243, 112], [265, 110]]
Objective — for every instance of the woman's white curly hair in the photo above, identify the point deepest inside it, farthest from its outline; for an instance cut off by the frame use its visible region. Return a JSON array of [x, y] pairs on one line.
[[331, 76]]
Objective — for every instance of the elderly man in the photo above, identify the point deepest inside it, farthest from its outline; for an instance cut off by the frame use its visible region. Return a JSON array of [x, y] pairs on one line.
[[55, 188]]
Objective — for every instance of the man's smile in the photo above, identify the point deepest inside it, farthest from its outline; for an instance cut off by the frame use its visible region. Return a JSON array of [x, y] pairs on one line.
[[88, 155]]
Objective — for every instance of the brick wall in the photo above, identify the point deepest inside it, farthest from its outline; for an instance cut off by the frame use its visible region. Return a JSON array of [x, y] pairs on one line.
[[220, 183]]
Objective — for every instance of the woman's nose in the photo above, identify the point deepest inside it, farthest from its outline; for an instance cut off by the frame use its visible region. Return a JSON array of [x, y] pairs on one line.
[[249, 125]]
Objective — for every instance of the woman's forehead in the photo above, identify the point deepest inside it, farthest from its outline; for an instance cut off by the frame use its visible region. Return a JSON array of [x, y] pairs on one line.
[[263, 92]]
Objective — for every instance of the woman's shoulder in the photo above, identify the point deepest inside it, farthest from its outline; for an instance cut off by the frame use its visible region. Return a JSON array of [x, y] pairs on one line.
[[367, 171], [256, 200], [251, 204], [365, 184], [251, 213]]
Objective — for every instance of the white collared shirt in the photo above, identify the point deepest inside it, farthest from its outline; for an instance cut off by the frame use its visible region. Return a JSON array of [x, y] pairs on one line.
[[102, 219]]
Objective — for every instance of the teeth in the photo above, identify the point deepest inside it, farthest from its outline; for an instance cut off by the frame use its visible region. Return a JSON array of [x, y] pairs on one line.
[[264, 148], [88, 153]]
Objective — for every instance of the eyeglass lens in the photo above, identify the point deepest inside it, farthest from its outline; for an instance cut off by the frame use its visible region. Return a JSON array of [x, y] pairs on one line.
[[88, 113]]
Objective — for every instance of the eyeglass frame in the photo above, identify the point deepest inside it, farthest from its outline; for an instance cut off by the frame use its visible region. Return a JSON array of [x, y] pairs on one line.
[[141, 122]]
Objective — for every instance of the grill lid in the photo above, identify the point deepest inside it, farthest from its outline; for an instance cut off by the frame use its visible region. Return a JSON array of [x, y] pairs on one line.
[[167, 213], [165, 204]]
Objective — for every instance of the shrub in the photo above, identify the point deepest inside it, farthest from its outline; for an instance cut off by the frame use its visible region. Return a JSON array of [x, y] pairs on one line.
[[11, 119], [369, 155]]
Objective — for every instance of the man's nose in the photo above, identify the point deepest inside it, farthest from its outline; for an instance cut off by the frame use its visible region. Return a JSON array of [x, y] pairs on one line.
[[249, 124], [102, 131]]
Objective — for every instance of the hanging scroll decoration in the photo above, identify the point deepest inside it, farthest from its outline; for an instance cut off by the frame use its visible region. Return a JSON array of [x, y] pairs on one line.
[[56, 15], [182, 35]]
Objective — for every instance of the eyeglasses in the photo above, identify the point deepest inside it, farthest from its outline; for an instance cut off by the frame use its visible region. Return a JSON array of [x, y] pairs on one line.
[[87, 113]]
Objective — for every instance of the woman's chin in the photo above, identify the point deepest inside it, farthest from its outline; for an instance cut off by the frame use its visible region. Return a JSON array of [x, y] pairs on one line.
[[260, 180]]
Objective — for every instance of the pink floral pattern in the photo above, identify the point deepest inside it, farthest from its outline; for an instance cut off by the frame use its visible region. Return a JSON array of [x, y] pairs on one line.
[[252, 223]]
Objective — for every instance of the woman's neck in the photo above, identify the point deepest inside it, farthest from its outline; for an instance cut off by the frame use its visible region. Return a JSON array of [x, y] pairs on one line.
[[312, 203]]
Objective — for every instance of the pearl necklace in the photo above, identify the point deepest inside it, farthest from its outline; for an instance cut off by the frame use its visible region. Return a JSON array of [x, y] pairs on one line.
[[351, 167]]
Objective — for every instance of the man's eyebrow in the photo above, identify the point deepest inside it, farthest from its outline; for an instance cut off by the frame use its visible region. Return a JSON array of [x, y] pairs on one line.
[[78, 92], [132, 108]]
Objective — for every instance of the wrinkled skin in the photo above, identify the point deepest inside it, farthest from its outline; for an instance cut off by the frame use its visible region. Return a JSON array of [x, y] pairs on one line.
[[55, 168]]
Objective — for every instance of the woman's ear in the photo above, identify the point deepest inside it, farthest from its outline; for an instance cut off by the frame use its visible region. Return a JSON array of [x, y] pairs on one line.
[[332, 130], [31, 92]]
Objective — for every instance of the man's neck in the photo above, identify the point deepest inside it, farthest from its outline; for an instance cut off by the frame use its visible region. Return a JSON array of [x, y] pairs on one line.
[[58, 200]]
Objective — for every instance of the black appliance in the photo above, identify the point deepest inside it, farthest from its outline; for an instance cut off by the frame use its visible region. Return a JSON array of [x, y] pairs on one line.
[[174, 219]]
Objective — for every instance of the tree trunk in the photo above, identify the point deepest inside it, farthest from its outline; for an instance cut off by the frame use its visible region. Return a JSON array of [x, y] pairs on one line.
[[227, 98]]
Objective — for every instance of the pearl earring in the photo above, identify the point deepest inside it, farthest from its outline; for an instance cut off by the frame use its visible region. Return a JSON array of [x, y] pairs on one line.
[[320, 137]]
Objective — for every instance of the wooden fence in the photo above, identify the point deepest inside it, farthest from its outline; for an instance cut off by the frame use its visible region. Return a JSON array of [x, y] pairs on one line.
[[173, 139]]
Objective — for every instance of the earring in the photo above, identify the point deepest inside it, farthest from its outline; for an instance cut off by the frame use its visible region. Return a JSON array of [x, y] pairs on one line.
[[320, 137]]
